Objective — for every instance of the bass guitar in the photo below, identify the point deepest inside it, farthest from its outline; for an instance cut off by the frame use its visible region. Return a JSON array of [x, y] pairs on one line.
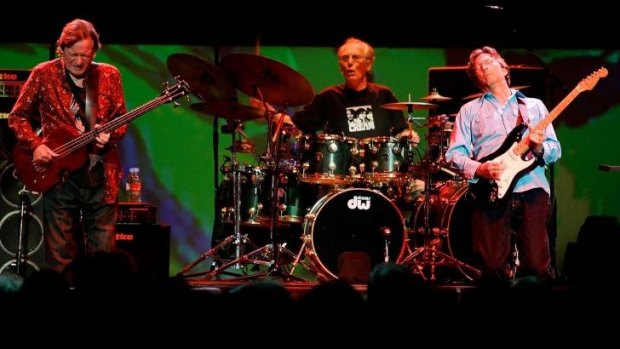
[[514, 150], [71, 146]]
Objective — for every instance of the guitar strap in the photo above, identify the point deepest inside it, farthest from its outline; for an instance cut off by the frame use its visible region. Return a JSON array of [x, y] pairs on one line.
[[91, 84], [522, 116]]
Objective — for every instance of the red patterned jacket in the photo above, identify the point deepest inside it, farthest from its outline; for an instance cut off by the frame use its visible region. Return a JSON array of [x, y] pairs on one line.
[[46, 96]]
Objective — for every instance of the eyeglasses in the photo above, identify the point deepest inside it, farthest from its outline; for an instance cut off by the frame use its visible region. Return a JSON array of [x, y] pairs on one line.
[[355, 58], [485, 62]]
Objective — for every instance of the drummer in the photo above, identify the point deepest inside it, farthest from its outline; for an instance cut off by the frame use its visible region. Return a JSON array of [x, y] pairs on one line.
[[353, 109]]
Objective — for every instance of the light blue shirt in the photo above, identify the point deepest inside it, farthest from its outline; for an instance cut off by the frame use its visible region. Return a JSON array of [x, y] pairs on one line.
[[481, 126]]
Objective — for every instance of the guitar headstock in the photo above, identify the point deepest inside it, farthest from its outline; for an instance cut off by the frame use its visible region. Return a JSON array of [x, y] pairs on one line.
[[591, 80], [179, 89]]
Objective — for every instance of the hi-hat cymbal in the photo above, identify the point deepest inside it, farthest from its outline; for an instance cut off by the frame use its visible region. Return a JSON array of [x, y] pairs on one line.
[[228, 110], [261, 77], [479, 94], [409, 106], [205, 80], [435, 97]]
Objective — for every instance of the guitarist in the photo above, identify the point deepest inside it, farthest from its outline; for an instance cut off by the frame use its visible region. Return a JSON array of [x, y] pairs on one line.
[[481, 128], [73, 92]]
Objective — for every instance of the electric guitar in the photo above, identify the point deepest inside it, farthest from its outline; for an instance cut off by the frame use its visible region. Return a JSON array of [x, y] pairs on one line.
[[514, 150], [71, 146]]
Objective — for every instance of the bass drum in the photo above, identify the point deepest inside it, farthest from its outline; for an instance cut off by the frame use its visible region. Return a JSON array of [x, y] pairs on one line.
[[450, 219], [353, 220]]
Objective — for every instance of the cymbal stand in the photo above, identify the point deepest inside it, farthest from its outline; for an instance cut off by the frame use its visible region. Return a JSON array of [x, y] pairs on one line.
[[410, 118], [429, 256], [236, 238], [271, 253], [440, 160]]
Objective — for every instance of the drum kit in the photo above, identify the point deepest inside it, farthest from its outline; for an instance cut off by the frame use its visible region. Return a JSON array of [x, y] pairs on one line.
[[346, 195]]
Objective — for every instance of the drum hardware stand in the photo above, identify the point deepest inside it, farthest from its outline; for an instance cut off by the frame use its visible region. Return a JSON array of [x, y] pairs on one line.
[[236, 238], [270, 253], [429, 254], [21, 258], [299, 259]]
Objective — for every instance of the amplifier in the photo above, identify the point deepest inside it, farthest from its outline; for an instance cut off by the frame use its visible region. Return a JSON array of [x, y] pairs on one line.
[[129, 212], [11, 82], [148, 244]]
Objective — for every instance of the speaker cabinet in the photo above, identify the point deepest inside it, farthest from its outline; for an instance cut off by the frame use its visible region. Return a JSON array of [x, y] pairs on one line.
[[15, 222], [455, 83], [148, 244], [11, 82]]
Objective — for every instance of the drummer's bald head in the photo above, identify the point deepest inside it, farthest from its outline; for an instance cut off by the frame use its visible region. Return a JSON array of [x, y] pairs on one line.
[[369, 52]]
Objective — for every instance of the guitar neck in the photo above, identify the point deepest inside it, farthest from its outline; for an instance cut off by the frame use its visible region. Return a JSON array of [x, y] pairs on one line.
[[586, 84], [524, 144], [89, 136]]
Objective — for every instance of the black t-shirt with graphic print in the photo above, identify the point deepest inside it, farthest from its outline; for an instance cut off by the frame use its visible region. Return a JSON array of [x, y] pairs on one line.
[[340, 110]]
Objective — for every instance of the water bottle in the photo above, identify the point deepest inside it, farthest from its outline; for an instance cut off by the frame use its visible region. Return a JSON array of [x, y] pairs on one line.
[[134, 185]]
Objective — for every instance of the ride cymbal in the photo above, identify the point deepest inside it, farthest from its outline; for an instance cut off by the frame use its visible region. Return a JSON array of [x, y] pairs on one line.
[[264, 78], [228, 110], [205, 80], [435, 97], [409, 106]]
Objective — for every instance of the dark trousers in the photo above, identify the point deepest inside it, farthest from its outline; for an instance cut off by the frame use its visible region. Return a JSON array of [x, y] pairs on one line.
[[66, 235], [526, 214]]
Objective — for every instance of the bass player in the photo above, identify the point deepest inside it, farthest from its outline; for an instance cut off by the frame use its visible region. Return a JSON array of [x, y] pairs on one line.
[[74, 94]]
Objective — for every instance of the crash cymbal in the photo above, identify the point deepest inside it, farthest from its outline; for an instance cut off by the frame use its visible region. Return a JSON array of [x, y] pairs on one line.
[[205, 80], [409, 106], [259, 76], [479, 94], [228, 110], [435, 97]]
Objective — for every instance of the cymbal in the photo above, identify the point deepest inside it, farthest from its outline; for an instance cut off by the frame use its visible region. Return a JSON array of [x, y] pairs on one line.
[[435, 97], [479, 94], [409, 106], [205, 80], [228, 110], [259, 76]]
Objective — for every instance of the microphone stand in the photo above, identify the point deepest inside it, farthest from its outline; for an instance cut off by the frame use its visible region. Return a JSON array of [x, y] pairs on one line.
[[20, 256]]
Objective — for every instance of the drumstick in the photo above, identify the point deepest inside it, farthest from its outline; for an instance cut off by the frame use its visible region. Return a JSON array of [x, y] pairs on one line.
[[243, 134], [278, 128]]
